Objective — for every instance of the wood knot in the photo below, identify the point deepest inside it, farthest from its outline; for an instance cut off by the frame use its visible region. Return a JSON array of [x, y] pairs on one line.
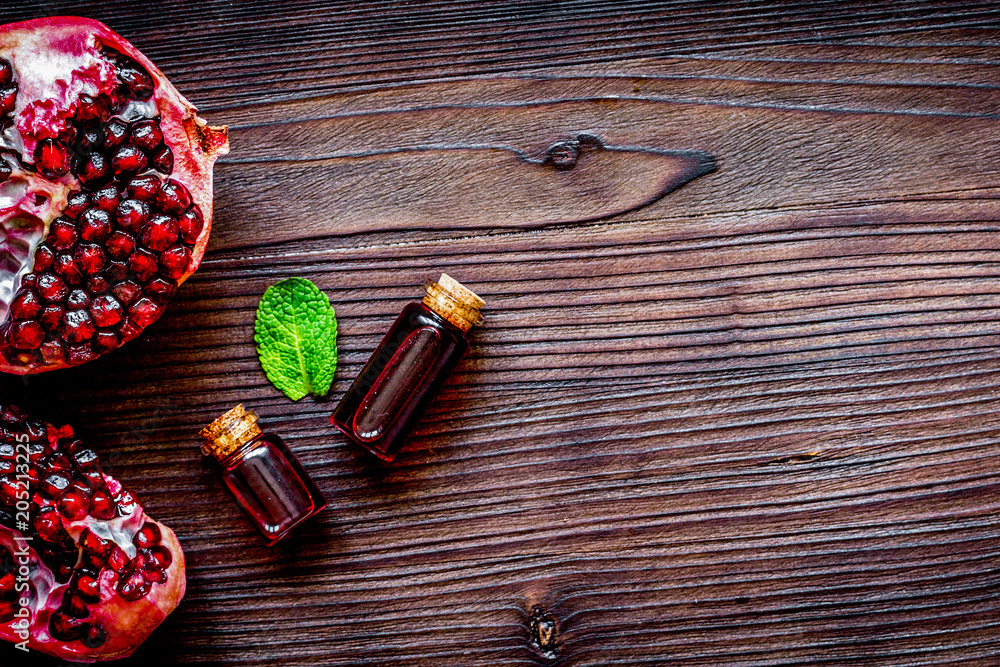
[[544, 633], [563, 155]]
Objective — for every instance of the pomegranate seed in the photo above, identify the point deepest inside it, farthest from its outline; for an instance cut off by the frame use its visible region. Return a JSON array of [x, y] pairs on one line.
[[51, 351], [25, 305], [144, 188], [8, 98], [118, 559], [106, 341], [51, 317], [5, 171], [93, 636], [163, 159], [143, 264], [9, 490], [126, 503], [106, 311], [90, 259], [92, 108], [132, 585], [80, 354], [135, 81], [77, 300], [127, 292], [93, 170], [49, 525], [146, 134], [90, 139], [175, 261], [6, 72], [144, 312], [160, 233], [44, 257], [132, 214], [106, 199], [26, 335], [58, 462], [116, 271], [66, 268], [173, 198], [95, 224], [51, 158], [74, 506], [74, 605], [191, 223], [76, 204], [147, 536], [62, 234], [86, 459], [77, 326], [85, 584], [29, 280], [65, 628], [54, 485], [51, 288], [128, 330], [160, 557], [127, 161], [93, 544], [120, 245], [115, 133], [98, 284], [103, 507], [161, 290]]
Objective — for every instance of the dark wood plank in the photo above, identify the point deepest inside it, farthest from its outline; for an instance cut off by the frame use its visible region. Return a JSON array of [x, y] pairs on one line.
[[752, 422]]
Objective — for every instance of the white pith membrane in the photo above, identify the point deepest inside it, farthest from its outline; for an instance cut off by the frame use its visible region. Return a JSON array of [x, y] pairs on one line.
[[75, 326], [116, 623]]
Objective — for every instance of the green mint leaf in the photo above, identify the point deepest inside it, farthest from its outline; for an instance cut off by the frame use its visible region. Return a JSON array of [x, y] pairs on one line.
[[296, 336]]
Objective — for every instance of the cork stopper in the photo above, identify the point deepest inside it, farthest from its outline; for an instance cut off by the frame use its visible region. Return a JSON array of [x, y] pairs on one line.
[[229, 432], [454, 302]]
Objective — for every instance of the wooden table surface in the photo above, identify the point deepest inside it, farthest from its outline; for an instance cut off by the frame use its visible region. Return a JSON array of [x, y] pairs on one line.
[[753, 421]]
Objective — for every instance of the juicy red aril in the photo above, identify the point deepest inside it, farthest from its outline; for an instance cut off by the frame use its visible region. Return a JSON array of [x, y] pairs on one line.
[[128, 160], [106, 199], [160, 557], [174, 262], [120, 245], [93, 170], [191, 223], [65, 267], [94, 636], [51, 288], [90, 259], [136, 82], [98, 284], [90, 139], [44, 257], [106, 311], [65, 628], [52, 158], [77, 300], [76, 204], [160, 290], [118, 560], [8, 98], [85, 459], [106, 341], [144, 312], [85, 584], [163, 159], [77, 326], [132, 585], [74, 505], [102, 506], [51, 317], [62, 234], [25, 305], [26, 335], [6, 72], [147, 536], [126, 503], [132, 214], [48, 525], [94, 225], [160, 233], [55, 484], [146, 134], [173, 198], [144, 188], [143, 264], [115, 134], [127, 292], [92, 108], [74, 605]]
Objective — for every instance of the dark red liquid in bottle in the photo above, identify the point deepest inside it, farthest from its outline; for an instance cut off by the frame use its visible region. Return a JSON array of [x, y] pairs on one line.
[[406, 371], [266, 480]]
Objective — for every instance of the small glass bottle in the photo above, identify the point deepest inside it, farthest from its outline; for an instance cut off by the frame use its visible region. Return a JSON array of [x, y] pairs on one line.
[[265, 478], [408, 368]]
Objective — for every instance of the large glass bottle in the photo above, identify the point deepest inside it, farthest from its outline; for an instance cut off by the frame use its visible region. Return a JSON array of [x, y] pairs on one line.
[[408, 368]]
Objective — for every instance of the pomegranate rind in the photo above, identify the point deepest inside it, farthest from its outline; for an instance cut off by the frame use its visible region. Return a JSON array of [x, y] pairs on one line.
[[127, 624], [195, 144]]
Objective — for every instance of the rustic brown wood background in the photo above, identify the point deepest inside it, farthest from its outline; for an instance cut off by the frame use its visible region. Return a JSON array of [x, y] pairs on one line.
[[754, 422]]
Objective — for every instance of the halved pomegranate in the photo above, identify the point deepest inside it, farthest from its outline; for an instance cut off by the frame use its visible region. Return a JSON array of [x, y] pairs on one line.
[[105, 192], [101, 575]]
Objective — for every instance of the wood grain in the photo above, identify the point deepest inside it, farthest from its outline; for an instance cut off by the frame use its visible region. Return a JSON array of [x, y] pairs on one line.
[[753, 422]]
